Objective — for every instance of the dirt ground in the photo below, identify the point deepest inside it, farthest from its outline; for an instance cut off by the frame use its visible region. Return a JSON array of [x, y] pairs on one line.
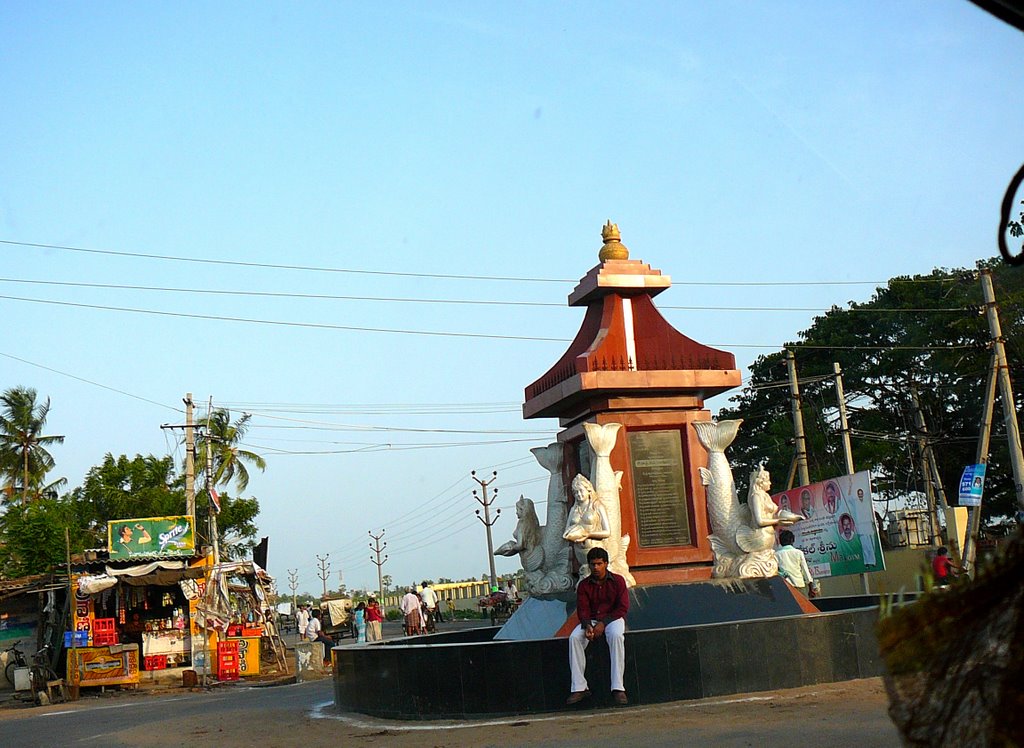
[[837, 714], [834, 714]]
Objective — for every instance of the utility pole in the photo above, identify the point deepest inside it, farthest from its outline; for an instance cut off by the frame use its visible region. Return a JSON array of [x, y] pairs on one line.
[[980, 458], [324, 571], [190, 428], [844, 430], [798, 422], [293, 584], [190, 460], [486, 518], [209, 484], [936, 495], [378, 547], [1005, 390]]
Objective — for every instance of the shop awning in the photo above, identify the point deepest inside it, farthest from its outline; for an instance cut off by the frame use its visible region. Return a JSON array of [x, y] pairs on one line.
[[159, 573]]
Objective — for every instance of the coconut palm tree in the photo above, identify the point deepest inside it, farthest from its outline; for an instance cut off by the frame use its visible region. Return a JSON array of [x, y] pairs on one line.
[[230, 462], [24, 459]]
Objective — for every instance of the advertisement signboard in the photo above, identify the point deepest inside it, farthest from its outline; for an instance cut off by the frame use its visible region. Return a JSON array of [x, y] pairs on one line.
[[166, 537], [972, 483], [104, 666], [838, 535]]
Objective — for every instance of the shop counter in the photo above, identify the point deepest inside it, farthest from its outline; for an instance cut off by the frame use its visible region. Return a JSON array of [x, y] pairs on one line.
[[174, 644], [248, 654], [113, 665]]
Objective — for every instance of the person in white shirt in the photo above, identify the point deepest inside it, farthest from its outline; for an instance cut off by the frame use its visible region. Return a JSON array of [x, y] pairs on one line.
[[315, 633], [302, 620], [793, 563], [429, 599], [410, 607]]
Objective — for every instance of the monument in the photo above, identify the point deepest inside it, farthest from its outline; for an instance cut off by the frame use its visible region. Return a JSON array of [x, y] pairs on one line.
[[640, 469], [628, 366]]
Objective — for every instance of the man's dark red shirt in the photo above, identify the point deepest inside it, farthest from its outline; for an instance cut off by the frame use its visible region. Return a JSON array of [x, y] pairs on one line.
[[602, 601]]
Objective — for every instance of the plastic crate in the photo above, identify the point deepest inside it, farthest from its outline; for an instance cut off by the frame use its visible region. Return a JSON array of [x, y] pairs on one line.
[[104, 632], [227, 661], [155, 662], [81, 638]]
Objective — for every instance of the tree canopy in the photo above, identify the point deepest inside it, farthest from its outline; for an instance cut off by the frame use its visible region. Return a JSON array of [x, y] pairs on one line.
[[222, 441], [32, 536], [925, 331], [24, 459]]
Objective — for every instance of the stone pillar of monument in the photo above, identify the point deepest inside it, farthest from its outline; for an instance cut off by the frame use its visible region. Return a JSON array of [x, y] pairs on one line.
[[628, 365]]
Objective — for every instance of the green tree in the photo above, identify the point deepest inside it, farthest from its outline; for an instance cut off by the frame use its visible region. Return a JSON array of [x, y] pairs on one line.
[[230, 461], [124, 488], [148, 486], [923, 331], [32, 536], [24, 459]]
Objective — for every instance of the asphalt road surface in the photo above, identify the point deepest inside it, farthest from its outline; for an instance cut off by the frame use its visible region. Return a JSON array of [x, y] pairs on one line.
[[838, 714]]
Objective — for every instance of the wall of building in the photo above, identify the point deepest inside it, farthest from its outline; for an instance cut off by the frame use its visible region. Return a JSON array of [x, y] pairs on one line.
[[903, 569]]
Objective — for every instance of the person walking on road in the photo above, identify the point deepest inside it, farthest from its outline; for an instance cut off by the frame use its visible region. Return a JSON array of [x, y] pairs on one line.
[[410, 607], [429, 599], [793, 564], [302, 620]]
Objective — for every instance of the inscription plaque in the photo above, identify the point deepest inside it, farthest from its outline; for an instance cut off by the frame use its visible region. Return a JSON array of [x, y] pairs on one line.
[[659, 489]]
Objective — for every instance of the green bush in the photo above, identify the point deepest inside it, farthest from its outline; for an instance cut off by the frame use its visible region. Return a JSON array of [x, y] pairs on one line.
[[393, 615]]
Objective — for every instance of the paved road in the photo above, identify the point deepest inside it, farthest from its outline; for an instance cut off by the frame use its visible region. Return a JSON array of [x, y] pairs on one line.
[[839, 715]]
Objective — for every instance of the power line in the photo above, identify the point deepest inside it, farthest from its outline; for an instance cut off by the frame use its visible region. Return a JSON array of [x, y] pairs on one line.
[[321, 269], [281, 323], [90, 382], [488, 336], [477, 302], [273, 266]]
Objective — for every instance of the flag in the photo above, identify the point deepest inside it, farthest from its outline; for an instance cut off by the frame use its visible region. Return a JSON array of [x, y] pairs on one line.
[[216, 498]]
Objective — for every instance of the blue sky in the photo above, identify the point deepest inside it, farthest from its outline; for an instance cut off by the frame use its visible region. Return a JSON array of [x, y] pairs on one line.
[[731, 142]]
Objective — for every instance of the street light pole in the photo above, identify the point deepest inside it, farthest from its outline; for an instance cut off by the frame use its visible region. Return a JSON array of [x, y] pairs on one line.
[[486, 518]]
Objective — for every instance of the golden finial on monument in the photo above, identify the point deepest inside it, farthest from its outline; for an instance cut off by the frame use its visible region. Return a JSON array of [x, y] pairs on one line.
[[613, 249]]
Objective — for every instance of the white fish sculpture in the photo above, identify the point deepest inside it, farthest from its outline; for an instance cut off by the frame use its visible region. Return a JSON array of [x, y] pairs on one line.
[[607, 483], [557, 551], [741, 549]]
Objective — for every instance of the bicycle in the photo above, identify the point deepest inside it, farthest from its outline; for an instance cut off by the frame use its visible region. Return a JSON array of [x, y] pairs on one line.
[[15, 659], [42, 676]]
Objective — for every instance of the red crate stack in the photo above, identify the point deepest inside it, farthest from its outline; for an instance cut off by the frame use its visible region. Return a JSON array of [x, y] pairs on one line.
[[104, 632], [155, 662], [227, 661]]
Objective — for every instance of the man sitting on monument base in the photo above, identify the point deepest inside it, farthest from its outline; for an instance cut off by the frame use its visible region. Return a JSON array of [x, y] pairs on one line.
[[602, 602]]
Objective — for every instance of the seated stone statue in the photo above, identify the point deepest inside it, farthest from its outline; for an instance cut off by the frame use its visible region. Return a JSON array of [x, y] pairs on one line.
[[527, 542], [587, 524]]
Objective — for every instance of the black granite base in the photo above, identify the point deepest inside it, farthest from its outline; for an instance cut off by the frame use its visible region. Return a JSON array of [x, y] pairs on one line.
[[455, 679], [663, 605]]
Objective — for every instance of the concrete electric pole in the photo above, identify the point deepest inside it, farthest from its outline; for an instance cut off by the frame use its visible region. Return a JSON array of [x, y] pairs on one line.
[[324, 571], [798, 422], [486, 518], [378, 547]]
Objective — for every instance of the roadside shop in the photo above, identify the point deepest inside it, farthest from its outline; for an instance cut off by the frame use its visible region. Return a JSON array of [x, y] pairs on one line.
[[135, 601]]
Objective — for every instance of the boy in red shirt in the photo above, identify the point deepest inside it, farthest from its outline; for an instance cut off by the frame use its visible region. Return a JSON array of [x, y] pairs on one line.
[[602, 602]]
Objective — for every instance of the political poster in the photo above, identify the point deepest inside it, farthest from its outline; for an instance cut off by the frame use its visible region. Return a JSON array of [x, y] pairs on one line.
[[838, 534], [972, 483]]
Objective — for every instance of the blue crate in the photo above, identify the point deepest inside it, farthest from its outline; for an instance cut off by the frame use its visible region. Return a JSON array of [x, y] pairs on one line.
[[81, 638]]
